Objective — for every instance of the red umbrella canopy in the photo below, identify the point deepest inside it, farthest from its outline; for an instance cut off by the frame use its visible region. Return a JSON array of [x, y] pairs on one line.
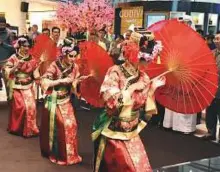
[[96, 61], [44, 45], [192, 82], [46, 50]]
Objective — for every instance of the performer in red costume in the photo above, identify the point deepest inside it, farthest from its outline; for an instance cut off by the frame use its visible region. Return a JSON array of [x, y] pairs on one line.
[[58, 137], [125, 90], [19, 70]]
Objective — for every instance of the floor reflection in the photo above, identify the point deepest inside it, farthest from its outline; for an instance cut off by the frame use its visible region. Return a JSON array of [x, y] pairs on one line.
[[205, 165]]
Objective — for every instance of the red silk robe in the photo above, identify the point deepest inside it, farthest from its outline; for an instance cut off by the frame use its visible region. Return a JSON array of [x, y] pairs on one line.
[[118, 146], [22, 119], [58, 136]]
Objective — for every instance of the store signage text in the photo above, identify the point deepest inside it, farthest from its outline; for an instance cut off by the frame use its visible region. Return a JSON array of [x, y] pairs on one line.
[[132, 12]]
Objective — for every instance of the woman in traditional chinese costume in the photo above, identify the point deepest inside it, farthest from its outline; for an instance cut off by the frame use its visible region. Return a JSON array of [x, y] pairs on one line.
[[125, 90], [58, 136], [19, 71]]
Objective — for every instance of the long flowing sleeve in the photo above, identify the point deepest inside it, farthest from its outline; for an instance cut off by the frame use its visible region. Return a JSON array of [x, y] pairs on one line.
[[110, 90], [115, 96], [117, 99], [36, 73], [140, 97], [8, 67], [29, 66], [25, 67], [75, 82], [145, 98], [123, 104], [49, 79]]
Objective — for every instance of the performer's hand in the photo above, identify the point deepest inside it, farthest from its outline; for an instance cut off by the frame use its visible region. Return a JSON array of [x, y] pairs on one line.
[[81, 78], [65, 81], [139, 86], [16, 66], [40, 62], [61, 81], [13, 69], [92, 73], [158, 82], [136, 87], [20, 63], [42, 59]]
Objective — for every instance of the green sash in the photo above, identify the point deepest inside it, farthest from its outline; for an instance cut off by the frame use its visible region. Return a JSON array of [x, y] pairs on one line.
[[51, 104], [100, 123]]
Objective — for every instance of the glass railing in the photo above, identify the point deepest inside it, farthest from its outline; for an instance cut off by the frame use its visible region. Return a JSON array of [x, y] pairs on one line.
[[204, 165]]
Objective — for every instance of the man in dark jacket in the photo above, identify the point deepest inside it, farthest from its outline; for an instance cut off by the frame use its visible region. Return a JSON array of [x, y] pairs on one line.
[[6, 49], [213, 111]]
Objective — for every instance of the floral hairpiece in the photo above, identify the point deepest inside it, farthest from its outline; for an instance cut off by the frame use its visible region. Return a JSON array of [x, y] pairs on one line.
[[66, 49], [16, 45], [150, 57]]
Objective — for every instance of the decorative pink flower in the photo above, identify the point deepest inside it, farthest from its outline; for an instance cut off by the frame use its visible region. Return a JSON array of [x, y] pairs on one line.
[[156, 51], [90, 14]]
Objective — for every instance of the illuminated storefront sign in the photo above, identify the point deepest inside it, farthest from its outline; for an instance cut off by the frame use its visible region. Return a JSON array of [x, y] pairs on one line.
[[131, 15]]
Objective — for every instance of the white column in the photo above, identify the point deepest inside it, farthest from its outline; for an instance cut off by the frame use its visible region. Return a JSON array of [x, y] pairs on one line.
[[13, 14]]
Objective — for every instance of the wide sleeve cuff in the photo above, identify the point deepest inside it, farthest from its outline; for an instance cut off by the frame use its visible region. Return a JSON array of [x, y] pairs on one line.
[[150, 105], [126, 98]]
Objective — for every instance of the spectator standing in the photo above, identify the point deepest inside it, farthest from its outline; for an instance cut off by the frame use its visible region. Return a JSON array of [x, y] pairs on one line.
[[6, 49], [213, 111], [102, 33], [46, 31]]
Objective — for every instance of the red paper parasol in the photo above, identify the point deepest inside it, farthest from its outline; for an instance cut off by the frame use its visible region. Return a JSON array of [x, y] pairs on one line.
[[96, 61], [192, 82], [46, 50]]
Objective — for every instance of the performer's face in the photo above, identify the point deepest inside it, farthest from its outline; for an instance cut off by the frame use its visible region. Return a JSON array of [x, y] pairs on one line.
[[24, 49], [70, 57]]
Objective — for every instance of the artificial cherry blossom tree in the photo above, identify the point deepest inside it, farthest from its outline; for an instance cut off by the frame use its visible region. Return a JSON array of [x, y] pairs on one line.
[[90, 14]]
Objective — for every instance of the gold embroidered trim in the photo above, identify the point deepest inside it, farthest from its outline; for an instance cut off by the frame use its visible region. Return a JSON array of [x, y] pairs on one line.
[[22, 87], [122, 135]]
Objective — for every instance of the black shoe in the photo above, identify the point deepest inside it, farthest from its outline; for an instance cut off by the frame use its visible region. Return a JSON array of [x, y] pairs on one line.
[[209, 137]]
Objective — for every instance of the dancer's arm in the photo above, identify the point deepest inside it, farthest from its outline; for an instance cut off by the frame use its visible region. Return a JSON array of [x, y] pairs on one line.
[[49, 79]]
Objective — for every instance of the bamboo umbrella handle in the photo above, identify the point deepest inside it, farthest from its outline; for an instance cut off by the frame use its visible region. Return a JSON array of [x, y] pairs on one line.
[[162, 74]]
